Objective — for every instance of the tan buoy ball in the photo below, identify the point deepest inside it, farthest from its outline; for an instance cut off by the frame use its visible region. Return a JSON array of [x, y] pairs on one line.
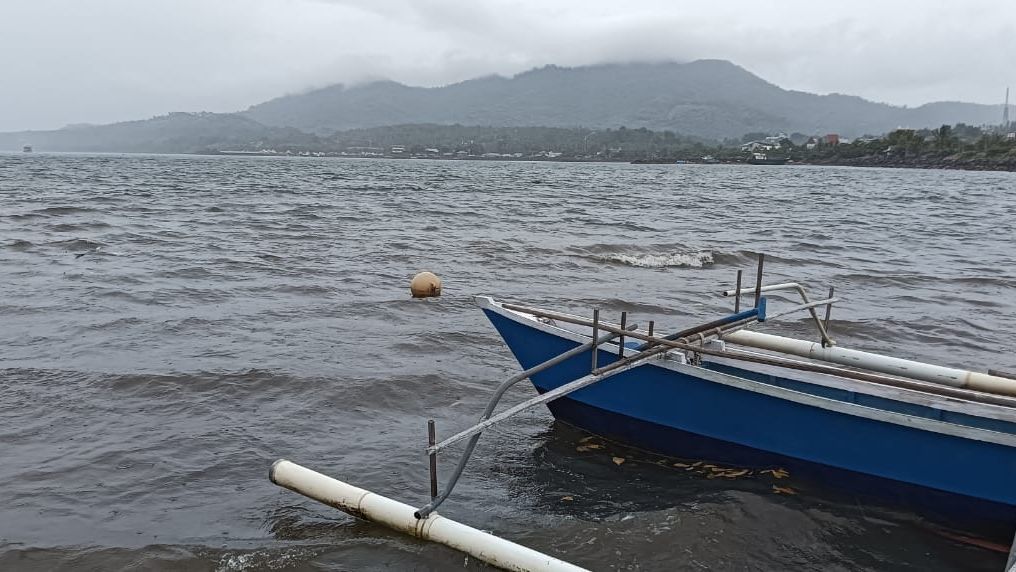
[[425, 285]]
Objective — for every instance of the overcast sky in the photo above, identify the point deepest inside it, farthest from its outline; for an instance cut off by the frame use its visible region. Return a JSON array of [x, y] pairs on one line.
[[96, 61]]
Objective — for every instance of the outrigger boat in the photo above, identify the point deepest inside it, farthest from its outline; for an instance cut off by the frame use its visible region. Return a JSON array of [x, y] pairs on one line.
[[940, 439]]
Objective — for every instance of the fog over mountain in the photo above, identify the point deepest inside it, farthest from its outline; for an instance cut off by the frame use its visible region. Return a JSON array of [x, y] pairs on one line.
[[105, 61], [708, 99]]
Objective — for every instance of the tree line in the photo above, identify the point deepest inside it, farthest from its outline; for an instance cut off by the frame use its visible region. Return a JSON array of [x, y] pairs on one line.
[[948, 145]]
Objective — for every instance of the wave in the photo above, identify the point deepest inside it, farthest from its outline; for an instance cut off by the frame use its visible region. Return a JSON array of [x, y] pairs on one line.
[[116, 324], [650, 256], [56, 211], [750, 257], [675, 255], [65, 227], [668, 260], [105, 199], [195, 272], [77, 244], [628, 225], [20, 245]]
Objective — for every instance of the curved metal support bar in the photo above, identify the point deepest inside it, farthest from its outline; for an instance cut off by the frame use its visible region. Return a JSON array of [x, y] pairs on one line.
[[491, 404], [508, 383], [823, 333]]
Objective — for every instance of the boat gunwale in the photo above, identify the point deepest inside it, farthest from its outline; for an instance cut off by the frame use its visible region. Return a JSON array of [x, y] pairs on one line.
[[899, 394]]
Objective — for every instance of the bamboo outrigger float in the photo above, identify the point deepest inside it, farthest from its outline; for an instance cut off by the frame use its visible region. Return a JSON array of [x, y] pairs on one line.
[[848, 417]]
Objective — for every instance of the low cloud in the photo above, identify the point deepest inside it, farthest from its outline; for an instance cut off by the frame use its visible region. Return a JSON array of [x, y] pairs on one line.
[[68, 61]]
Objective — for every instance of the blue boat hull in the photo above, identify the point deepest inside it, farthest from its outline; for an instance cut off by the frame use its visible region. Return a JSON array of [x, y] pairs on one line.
[[969, 483]]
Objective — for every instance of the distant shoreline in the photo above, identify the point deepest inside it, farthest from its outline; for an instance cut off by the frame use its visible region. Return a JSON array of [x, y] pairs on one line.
[[874, 162], [926, 164], [1004, 165]]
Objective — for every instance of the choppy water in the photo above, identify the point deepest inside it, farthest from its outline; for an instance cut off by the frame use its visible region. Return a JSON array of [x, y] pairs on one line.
[[169, 326]]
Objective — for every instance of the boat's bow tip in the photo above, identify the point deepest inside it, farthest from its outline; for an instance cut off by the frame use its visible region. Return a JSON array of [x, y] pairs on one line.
[[484, 301]]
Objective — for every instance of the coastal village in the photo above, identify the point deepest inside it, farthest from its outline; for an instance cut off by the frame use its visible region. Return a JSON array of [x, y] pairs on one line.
[[956, 146], [989, 146]]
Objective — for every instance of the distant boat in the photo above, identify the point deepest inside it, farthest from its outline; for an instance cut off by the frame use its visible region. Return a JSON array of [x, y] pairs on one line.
[[763, 159], [26, 149], [710, 160]]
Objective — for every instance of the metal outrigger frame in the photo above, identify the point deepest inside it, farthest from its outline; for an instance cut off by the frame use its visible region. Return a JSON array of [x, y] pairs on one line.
[[692, 341]]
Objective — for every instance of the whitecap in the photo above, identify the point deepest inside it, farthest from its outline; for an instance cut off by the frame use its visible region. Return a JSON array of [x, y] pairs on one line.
[[665, 260]]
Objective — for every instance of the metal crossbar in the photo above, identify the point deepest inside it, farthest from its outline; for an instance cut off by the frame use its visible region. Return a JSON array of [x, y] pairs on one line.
[[808, 305], [613, 369]]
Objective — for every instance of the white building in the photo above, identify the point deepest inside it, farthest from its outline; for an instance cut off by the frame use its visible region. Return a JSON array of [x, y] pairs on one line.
[[755, 146]]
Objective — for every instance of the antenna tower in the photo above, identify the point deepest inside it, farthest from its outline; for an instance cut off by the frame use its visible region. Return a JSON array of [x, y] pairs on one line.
[[1005, 111]]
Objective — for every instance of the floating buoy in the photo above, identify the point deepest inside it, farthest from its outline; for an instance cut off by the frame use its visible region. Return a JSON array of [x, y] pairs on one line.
[[425, 285]]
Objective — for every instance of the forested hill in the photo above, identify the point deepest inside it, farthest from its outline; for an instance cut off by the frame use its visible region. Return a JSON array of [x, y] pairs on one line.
[[705, 98], [700, 102], [171, 133]]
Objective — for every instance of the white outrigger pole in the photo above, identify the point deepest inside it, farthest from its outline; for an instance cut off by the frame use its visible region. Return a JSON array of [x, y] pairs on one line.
[[398, 516], [953, 377], [827, 352]]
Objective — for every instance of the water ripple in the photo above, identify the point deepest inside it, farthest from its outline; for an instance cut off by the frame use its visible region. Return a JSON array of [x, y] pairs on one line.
[[174, 324]]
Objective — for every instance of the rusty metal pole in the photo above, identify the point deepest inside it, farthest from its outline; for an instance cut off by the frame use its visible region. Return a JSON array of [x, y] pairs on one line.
[[758, 278], [737, 293], [620, 340], [828, 311], [596, 335], [431, 441]]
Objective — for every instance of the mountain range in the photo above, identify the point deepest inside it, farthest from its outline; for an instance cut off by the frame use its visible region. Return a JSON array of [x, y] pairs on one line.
[[707, 99]]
